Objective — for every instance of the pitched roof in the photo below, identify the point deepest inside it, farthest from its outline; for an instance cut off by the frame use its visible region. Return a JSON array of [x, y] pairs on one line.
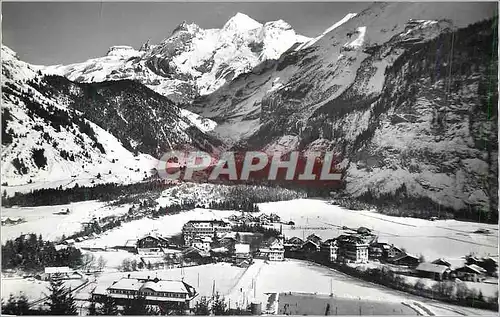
[[296, 239], [476, 268], [402, 256], [311, 242], [57, 269], [442, 262], [430, 267], [166, 286]]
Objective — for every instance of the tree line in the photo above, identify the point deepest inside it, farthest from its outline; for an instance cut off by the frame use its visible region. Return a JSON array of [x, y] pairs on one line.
[[60, 196], [32, 253]]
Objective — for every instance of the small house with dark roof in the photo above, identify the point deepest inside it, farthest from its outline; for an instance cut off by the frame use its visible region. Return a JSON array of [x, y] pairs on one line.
[[441, 261], [310, 246], [152, 242], [295, 241], [435, 271], [314, 238], [471, 272], [363, 230], [394, 252], [405, 260]]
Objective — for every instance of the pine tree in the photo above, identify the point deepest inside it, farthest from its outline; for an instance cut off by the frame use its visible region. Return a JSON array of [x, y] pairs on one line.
[[201, 307], [16, 305], [60, 300], [93, 308], [219, 306], [136, 306], [108, 307]]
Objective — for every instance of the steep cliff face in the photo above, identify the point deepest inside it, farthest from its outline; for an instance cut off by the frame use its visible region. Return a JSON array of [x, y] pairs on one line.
[[430, 139], [192, 61], [399, 91]]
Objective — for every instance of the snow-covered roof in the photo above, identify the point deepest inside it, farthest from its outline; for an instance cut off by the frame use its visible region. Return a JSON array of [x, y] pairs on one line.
[[166, 286], [242, 248], [430, 267], [130, 284], [57, 269]]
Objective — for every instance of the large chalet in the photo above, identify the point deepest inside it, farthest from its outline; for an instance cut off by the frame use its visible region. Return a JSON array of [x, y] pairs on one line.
[[352, 248], [166, 294], [203, 228]]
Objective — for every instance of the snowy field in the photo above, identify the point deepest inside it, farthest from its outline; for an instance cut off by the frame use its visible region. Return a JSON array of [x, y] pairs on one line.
[[487, 289], [449, 239], [33, 289], [42, 220], [240, 286], [434, 239]]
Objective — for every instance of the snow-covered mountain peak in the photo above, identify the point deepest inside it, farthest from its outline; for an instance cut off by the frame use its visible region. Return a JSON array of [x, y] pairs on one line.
[[346, 18], [13, 68], [241, 23], [185, 27], [122, 51], [192, 61], [279, 24], [7, 53]]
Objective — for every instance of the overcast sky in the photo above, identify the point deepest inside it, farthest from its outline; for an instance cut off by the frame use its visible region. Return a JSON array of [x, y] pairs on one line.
[[62, 33]]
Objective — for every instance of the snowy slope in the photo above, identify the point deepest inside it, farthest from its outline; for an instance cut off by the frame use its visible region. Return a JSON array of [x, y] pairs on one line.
[[66, 143], [192, 60], [52, 129]]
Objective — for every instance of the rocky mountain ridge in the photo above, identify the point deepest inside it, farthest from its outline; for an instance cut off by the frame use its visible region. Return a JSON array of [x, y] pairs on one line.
[[59, 133], [376, 90], [192, 61]]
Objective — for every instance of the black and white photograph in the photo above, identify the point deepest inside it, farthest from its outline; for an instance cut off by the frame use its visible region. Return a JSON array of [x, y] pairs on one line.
[[249, 158]]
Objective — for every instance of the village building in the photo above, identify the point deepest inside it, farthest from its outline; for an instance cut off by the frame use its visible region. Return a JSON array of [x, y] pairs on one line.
[[152, 241], [394, 252], [166, 294], [203, 228], [151, 244], [11, 220], [69, 242], [295, 241], [352, 248], [202, 243], [329, 249], [242, 250], [441, 261], [378, 250], [437, 272], [310, 246], [195, 255], [314, 238], [61, 273], [363, 230], [275, 250], [405, 260], [471, 272]]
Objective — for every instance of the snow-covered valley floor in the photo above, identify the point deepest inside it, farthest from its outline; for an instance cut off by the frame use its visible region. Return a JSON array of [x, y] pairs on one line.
[[240, 286], [449, 239]]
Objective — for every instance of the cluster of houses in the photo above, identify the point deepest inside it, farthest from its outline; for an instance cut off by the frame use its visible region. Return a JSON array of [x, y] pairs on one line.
[[205, 241], [362, 246], [59, 273], [251, 220], [6, 221]]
